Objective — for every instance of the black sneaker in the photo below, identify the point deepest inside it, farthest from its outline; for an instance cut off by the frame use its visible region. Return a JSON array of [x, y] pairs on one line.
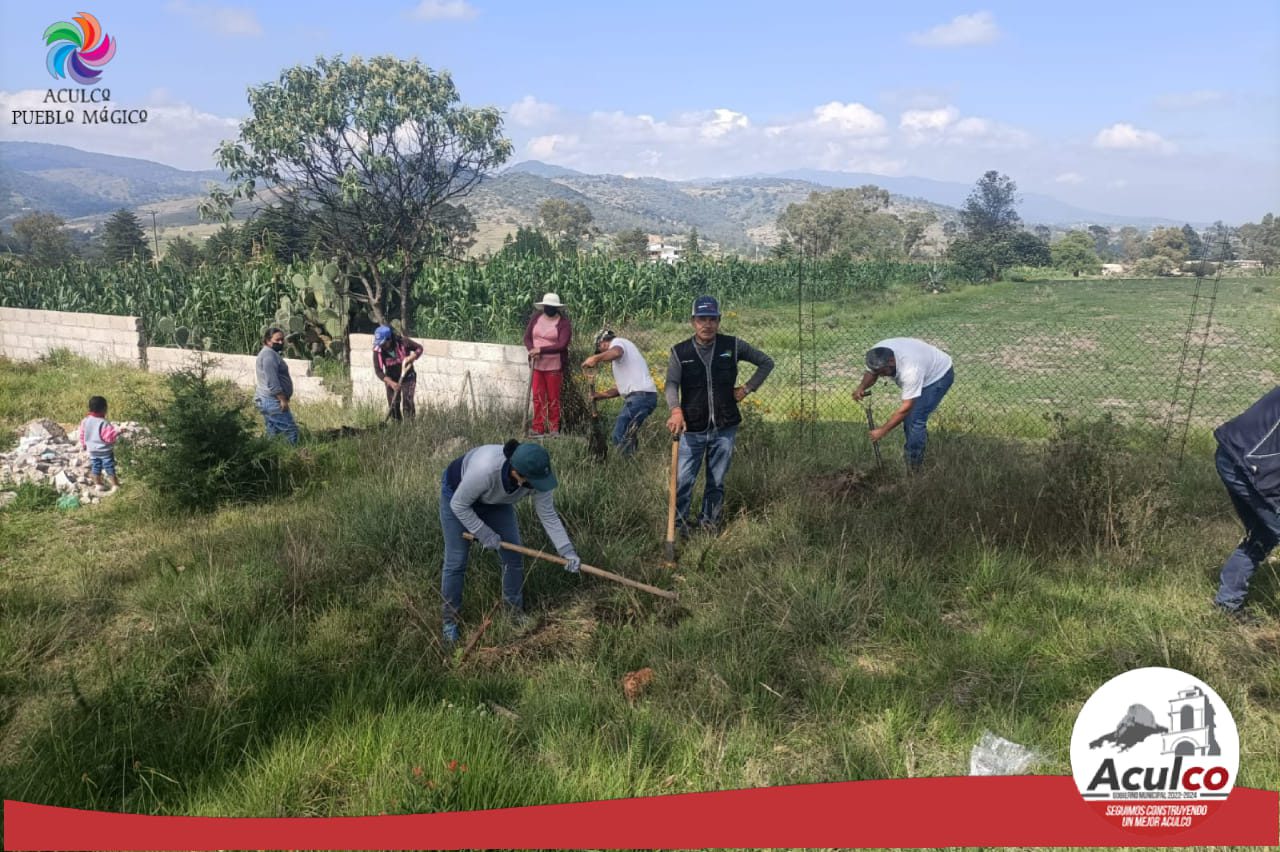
[[1240, 616]]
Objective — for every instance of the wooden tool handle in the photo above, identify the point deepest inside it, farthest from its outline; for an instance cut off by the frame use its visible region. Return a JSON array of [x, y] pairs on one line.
[[584, 568], [671, 498]]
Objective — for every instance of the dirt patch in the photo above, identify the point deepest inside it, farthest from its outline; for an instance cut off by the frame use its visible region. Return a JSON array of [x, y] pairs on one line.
[[1044, 354], [851, 483], [567, 635]]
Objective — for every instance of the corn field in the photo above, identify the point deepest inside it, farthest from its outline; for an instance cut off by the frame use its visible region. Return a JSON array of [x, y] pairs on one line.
[[224, 308], [487, 300]]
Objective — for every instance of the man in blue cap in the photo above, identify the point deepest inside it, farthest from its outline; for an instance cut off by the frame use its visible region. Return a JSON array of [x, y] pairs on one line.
[[703, 394], [478, 493], [393, 357]]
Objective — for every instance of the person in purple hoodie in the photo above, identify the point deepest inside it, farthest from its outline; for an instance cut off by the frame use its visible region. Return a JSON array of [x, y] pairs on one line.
[[98, 436]]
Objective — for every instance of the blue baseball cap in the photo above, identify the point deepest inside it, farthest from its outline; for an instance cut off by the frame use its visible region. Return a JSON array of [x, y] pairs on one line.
[[534, 464], [706, 306], [382, 335]]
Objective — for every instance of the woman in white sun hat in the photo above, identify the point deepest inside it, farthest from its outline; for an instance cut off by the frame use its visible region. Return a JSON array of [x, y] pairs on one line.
[[547, 338]]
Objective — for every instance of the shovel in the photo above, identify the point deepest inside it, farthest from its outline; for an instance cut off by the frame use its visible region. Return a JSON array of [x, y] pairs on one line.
[[584, 568], [871, 424], [596, 443], [395, 401], [528, 402], [670, 544]]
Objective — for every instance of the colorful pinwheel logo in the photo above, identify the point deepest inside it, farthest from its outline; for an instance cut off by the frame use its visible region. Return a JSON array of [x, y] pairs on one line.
[[77, 50]]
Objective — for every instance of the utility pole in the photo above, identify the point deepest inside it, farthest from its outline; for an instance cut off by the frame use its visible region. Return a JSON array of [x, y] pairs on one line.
[[155, 238]]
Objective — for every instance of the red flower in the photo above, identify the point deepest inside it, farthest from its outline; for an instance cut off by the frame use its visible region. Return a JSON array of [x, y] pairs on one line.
[[453, 766], [417, 772]]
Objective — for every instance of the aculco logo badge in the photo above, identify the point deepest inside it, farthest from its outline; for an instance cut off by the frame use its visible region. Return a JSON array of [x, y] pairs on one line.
[[1155, 751]]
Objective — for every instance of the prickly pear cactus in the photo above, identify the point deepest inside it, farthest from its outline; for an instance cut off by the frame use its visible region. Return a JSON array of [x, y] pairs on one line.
[[316, 317]]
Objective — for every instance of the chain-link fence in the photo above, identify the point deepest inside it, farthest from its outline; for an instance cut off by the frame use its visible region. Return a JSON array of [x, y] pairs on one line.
[[1171, 354]]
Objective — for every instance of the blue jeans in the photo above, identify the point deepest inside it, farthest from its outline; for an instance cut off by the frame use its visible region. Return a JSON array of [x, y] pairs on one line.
[[716, 446], [635, 408], [278, 422], [103, 464], [502, 520], [915, 427], [1261, 533]]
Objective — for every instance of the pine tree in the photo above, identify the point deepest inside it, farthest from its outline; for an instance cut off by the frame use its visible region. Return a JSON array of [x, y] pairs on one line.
[[123, 238]]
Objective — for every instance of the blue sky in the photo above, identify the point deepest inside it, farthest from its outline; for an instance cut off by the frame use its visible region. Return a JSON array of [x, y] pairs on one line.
[[1170, 109]]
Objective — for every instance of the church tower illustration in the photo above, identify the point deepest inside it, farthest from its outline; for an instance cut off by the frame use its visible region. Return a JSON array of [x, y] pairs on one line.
[[1190, 725]]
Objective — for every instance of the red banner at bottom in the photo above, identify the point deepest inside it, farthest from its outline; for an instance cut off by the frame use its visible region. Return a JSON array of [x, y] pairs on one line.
[[970, 811]]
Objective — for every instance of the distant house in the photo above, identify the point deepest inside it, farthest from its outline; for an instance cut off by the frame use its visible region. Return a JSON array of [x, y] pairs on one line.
[[1112, 270], [661, 251], [1245, 264]]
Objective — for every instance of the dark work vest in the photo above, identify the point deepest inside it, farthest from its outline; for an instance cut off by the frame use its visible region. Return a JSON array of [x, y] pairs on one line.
[[706, 393]]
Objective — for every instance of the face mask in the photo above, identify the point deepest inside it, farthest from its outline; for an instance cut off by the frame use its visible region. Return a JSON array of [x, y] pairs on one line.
[[550, 311], [279, 347]]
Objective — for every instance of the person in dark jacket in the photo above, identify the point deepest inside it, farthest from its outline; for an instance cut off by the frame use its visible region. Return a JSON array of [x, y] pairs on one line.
[[1248, 460], [703, 394], [478, 493], [547, 338], [393, 358]]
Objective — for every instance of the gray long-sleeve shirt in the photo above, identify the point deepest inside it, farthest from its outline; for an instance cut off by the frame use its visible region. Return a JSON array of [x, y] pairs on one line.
[[272, 375], [482, 483], [746, 352]]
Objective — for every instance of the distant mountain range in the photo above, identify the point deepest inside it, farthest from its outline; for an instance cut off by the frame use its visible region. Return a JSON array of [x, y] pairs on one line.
[[75, 183], [739, 213]]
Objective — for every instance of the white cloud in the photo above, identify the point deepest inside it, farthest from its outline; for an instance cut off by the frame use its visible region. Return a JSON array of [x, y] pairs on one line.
[[1122, 136], [552, 145], [854, 119], [529, 111], [707, 143], [945, 126], [175, 133], [223, 20], [444, 10], [1198, 99], [1118, 183], [723, 122], [1068, 177], [960, 31], [925, 121]]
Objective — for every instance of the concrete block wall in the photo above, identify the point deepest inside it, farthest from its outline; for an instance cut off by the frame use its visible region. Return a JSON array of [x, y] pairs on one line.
[[25, 335], [482, 376], [239, 370]]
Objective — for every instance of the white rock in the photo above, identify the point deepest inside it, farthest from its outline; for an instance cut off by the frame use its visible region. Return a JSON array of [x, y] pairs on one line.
[[44, 428]]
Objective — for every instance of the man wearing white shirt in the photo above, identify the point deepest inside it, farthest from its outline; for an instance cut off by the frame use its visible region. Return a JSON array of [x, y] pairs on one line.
[[633, 383], [924, 373]]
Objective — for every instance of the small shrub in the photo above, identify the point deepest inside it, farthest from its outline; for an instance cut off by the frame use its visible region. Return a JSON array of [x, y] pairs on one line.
[[1104, 485], [206, 451]]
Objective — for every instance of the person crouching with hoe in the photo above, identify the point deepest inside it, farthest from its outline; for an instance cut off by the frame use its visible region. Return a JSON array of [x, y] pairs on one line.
[[478, 493], [393, 357]]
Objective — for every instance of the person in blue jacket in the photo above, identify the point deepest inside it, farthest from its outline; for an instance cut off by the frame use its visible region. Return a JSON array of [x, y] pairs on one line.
[[1248, 460]]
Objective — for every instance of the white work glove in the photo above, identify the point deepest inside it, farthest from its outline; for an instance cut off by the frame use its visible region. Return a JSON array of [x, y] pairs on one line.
[[489, 539], [573, 562]]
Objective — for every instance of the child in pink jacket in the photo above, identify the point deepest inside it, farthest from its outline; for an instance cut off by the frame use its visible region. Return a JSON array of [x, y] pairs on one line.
[[98, 436]]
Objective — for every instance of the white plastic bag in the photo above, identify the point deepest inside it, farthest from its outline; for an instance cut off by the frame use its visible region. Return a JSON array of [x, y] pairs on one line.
[[994, 755]]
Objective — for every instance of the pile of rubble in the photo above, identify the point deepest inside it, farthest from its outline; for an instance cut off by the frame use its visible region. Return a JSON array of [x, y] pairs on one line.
[[47, 455]]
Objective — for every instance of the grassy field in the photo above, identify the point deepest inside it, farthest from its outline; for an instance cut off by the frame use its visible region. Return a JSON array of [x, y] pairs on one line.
[[283, 659], [1026, 350]]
